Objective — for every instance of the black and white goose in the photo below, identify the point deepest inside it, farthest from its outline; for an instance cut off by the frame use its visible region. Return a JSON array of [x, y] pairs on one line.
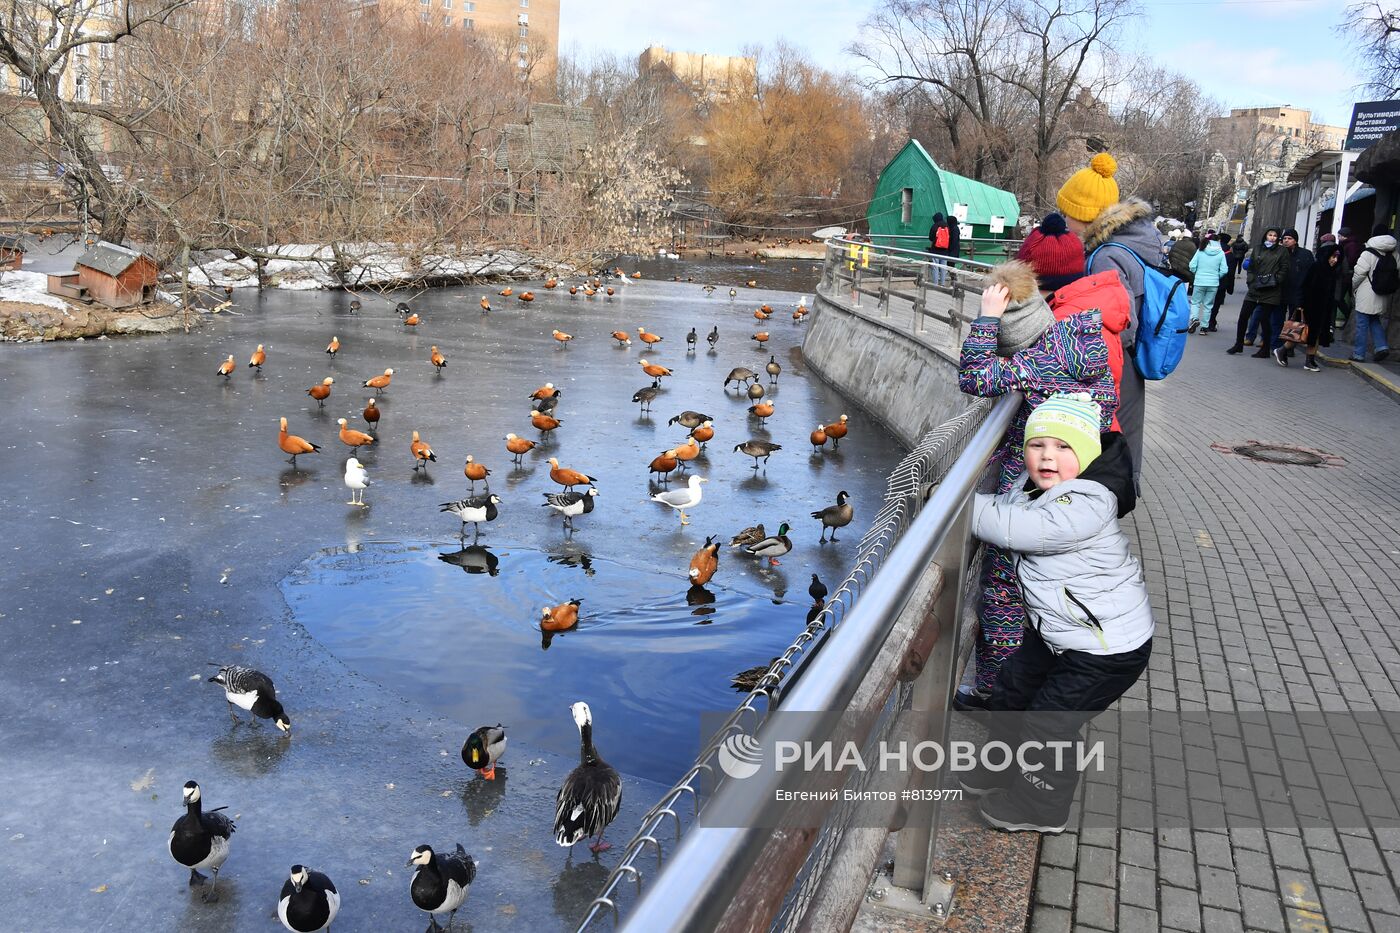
[[571, 504], [309, 901], [440, 884], [645, 396], [773, 368], [253, 691], [690, 340], [592, 793], [483, 748], [713, 337], [200, 840], [474, 509]]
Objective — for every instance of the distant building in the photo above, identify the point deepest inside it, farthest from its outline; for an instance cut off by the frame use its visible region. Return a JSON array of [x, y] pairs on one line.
[[113, 275], [552, 141], [707, 77], [1272, 138], [912, 188], [531, 25]]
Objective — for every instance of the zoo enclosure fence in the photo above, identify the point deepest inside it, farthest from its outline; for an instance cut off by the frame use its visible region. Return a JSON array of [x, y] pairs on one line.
[[892, 639]]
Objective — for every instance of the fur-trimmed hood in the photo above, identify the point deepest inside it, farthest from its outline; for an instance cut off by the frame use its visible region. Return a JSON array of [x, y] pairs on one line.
[[1114, 219], [1019, 279]]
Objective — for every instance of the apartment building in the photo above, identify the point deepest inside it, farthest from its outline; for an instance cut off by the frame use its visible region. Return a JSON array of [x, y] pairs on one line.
[[532, 25], [88, 74], [1270, 134], [707, 77]]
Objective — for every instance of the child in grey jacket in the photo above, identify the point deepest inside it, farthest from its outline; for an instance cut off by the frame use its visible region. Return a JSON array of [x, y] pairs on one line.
[[1089, 622]]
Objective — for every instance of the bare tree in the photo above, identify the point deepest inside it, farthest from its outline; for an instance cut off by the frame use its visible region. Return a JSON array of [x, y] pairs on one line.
[[1375, 25]]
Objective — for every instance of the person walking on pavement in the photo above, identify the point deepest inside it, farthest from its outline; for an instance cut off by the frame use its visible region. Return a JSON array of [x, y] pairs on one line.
[[1180, 255], [1318, 294], [1207, 268], [1372, 309], [1267, 279], [1227, 283], [1300, 260], [943, 240], [1092, 208]]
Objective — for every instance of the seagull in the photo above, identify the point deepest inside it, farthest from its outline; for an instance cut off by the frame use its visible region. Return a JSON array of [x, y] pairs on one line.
[[200, 840], [570, 504], [309, 901], [682, 499], [251, 690], [440, 885], [357, 479], [474, 509]]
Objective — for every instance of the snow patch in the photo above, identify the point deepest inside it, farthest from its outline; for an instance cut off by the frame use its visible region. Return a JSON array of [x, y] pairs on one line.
[[370, 265], [29, 287]]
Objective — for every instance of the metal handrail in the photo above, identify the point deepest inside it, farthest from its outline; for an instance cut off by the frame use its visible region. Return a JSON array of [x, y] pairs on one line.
[[710, 867]]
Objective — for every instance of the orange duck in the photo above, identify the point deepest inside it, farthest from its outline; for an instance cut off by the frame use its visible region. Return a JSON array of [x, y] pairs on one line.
[[573, 290], [687, 451], [422, 453], [665, 464], [227, 367], [544, 423], [610, 291], [371, 414], [485, 303], [762, 411], [544, 391], [704, 433], [760, 315], [566, 477], [818, 438], [550, 283], [654, 371], [321, 392], [291, 444], [836, 431], [562, 337], [475, 472], [437, 359], [527, 296], [333, 347], [506, 292], [636, 275], [258, 358], [518, 447], [705, 562], [560, 618], [761, 337], [648, 338], [380, 383], [589, 292], [352, 438], [413, 320], [623, 340]]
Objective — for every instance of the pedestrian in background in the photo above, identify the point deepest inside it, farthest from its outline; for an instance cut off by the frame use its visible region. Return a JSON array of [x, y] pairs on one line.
[[1179, 257], [1267, 278], [1207, 267], [1319, 301], [944, 239], [1300, 260], [1227, 282], [1093, 209], [1372, 308]]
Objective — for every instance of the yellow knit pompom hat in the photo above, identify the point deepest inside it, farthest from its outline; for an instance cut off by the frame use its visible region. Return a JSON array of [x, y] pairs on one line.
[[1090, 191]]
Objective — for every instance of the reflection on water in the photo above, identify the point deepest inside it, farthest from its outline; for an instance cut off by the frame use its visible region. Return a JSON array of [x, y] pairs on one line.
[[650, 651], [480, 796], [248, 751]]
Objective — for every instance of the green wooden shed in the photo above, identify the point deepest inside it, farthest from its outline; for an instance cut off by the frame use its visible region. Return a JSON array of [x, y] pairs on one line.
[[912, 188]]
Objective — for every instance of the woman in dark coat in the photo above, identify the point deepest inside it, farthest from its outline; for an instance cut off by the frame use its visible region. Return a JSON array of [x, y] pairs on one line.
[[1319, 300], [1268, 282]]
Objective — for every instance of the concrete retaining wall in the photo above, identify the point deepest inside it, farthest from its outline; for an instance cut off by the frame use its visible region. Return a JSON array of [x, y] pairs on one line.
[[906, 383]]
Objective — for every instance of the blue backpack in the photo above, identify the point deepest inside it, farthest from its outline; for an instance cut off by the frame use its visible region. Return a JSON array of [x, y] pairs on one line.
[[1163, 321]]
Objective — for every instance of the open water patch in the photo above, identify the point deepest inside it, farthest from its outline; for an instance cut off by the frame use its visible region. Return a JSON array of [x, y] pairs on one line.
[[457, 629]]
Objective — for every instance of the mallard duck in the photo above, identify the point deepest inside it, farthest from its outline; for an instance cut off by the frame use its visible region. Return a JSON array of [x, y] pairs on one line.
[[483, 748], [560, 618], [748, 681], [751, 535], [592, 793], [682, 499], [689, 419], [774, 369], [759, 450], [772, 548], [571, 504], [835, 516], [440, 884], [739, 375], [705, 562]]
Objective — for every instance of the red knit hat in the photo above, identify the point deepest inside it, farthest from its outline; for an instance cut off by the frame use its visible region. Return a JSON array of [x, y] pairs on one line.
[[1056, 254]]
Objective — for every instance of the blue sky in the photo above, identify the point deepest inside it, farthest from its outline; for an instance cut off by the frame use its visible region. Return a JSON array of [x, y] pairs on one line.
[[1242, 52]]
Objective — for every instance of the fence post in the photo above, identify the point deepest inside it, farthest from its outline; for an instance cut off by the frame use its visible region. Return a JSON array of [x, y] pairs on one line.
[[885, 288], [915, 845], [921, 302]]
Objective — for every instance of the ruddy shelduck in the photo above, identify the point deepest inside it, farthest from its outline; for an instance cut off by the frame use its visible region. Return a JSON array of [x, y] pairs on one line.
[[542, 422], [622, 338], [475, 472], [544, 391], [705, 562], [566, 477], [321, 392], [422, 452], [333, 347], [437, 359], [562, 337], [293, 445], [518, 446], [381, 382], [648, 338], [258, 358], [836, 431], [560, 618], [352, 438], [227, 367], [371, 414]]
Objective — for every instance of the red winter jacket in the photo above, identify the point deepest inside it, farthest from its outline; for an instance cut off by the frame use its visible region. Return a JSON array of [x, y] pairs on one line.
[[1105, 293]]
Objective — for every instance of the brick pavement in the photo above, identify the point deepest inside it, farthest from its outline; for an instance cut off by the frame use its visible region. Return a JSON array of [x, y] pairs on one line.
[[1260, 606]]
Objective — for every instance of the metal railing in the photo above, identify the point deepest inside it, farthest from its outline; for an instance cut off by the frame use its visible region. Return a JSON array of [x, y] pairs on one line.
[[859, 646], [977, 249]]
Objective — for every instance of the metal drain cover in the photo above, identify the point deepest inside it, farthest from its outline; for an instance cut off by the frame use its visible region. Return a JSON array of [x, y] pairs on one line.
[[1275, 453], [1280, 454]]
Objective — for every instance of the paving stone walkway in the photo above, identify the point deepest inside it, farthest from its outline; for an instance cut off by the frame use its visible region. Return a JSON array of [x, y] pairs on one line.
[[1261, 605]]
